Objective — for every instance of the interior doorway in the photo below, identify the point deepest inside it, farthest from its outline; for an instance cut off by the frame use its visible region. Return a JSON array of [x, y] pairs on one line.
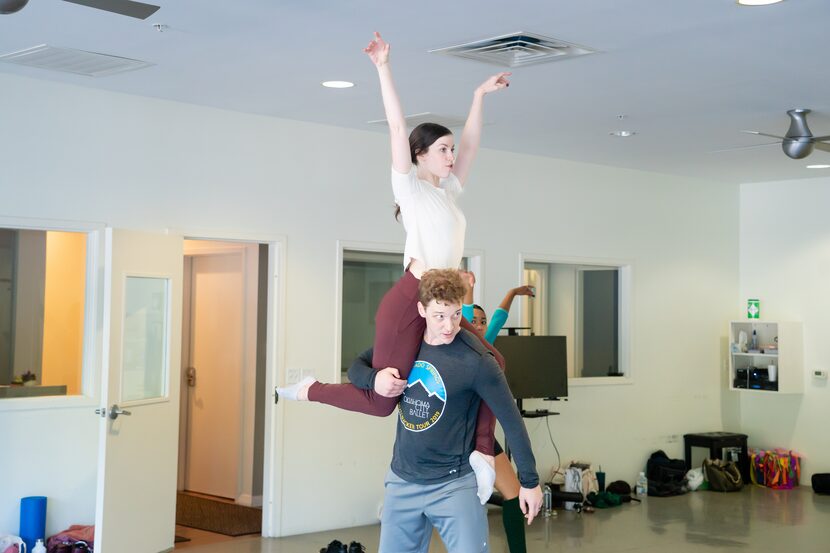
[[221, 428]]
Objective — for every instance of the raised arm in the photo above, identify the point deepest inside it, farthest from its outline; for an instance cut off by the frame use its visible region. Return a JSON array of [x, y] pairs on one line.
[[519, 291], [469, 279], [378, 52], [471, 135]]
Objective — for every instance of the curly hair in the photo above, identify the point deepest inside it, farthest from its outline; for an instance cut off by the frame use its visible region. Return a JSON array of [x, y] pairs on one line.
[[441, 285]]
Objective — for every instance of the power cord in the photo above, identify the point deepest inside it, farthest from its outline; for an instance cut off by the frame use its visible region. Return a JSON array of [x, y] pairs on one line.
[[556, 449]]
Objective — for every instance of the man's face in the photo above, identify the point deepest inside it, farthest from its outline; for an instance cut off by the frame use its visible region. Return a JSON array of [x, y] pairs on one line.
[[443, 321]]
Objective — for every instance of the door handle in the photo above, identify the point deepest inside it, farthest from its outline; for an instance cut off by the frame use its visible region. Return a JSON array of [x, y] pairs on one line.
[[113, 413], [191, 376]]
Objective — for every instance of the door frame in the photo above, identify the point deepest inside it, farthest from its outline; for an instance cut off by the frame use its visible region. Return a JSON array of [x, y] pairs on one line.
[[272, 465]]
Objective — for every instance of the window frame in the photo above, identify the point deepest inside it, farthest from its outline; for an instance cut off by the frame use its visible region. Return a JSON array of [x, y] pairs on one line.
[[475, 263], [93, 315], [625, 335]]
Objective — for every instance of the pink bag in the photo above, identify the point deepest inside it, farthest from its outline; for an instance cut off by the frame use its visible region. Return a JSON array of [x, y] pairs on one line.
[[778, 469]]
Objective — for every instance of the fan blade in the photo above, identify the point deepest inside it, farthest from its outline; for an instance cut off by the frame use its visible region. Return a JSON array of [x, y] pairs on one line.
[[765, 134], [122, 7], [821, 138], [823, 146], [744, 147]]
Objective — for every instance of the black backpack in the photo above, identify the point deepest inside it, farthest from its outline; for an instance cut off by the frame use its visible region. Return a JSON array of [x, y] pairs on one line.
[[666, 476]]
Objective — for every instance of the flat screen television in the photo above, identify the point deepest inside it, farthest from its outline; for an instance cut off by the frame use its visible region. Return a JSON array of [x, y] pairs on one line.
[[535, 366]]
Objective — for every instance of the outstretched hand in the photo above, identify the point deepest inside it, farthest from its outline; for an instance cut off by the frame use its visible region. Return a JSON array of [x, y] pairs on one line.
[[494, 83], [525, 291], [468, 277], [378, 50]]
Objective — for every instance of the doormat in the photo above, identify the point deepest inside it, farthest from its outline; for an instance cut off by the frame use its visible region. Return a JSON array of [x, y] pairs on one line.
[[217, 516]]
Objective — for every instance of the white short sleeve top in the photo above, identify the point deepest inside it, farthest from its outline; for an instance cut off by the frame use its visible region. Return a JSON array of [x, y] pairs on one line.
[[434, 224]]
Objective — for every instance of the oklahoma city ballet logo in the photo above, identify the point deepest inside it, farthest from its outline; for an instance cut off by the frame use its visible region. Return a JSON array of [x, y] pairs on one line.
[[423, 400]]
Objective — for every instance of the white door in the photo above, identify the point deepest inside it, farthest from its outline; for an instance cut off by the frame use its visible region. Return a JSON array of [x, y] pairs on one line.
[[137, 464], [215, 374]]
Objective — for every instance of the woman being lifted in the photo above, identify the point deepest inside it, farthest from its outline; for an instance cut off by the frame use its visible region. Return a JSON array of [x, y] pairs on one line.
[[427, 178]]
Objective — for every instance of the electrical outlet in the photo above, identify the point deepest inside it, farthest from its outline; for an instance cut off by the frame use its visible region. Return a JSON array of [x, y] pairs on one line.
[[305, 373], [292, 376], [672, 438]]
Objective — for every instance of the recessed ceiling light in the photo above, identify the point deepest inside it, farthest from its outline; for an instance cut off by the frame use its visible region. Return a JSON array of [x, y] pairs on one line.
[[622, 134], [758, 2], [818, 167], [337, 84]]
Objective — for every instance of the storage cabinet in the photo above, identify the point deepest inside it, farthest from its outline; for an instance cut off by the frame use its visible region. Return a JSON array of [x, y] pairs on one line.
[[779, 344]]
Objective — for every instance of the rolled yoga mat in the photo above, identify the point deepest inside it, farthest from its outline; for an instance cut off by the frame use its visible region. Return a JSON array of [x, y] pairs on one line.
[[33, 520]]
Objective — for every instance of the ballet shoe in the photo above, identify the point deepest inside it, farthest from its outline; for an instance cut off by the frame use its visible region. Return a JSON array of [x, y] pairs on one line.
[[298, 391], [484, 467]]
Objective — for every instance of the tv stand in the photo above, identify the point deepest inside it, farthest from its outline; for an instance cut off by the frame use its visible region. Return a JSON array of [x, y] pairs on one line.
[[536, 413]]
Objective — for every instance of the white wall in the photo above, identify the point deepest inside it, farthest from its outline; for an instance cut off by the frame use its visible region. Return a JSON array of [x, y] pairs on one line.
[[785, 261], [141, 163]]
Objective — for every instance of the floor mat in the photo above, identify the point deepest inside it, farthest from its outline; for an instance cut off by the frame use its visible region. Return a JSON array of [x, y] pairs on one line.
[[217, 516]]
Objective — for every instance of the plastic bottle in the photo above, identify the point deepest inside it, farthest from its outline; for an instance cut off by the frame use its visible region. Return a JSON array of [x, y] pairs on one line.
[[39, 547], [548, 500], [754, 344], [641, 487]]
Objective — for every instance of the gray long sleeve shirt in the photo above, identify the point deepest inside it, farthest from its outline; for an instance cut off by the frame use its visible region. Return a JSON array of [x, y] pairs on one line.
[[438, 410]]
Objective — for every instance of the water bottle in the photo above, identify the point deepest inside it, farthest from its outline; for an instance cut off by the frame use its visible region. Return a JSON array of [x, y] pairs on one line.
[[548, 500], [641, 487], [39, 547]]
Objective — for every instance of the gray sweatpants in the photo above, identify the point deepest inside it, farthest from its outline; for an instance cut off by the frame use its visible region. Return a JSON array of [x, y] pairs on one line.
[[411, 510]]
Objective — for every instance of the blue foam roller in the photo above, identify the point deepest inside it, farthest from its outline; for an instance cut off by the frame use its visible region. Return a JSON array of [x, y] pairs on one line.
[[33, 520]]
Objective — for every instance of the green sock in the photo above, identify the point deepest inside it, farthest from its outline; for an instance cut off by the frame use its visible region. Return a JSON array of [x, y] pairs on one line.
[[514, 525]]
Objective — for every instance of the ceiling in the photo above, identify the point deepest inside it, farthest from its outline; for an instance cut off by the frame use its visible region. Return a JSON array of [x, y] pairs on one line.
[[687, 74]]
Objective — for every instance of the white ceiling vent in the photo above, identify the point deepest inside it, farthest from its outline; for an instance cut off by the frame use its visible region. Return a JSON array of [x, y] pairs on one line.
[[516, 50], [69, 60], [416, 119]]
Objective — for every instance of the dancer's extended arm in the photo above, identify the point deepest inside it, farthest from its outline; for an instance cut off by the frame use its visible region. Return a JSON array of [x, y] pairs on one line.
[[378, 52], [471, 135]]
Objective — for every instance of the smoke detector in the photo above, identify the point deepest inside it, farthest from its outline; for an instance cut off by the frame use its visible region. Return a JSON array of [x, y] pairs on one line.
[[516, 50]]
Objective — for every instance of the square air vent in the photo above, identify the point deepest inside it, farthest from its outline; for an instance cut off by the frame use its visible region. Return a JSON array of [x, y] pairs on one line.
[[69, 60], [416, 119], [516, 50]]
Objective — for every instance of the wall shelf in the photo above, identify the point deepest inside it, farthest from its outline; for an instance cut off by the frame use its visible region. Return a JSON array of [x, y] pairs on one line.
[[749, 371]]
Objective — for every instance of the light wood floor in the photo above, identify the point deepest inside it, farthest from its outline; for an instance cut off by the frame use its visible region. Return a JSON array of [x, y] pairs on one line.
[[755, 520]]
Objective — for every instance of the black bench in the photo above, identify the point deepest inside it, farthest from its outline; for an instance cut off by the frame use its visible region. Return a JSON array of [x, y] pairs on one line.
[[716, 441]]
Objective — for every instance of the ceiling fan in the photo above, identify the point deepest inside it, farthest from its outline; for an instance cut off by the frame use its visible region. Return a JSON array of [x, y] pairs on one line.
[[799, 142], [139, 10]]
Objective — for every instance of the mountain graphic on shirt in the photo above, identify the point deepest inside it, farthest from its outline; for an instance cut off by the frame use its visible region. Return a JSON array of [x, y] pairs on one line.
[[429, 378], [424, 398]]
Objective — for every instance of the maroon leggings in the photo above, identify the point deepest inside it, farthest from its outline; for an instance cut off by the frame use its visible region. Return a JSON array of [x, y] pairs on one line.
[[399, 331]]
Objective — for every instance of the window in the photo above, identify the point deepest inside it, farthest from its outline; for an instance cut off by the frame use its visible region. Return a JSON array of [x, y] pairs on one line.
[[588, 304], [366, 276], [43, 306]]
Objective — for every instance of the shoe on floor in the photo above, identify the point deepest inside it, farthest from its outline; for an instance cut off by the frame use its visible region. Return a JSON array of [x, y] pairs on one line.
[[335, 547], [356, 547]]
